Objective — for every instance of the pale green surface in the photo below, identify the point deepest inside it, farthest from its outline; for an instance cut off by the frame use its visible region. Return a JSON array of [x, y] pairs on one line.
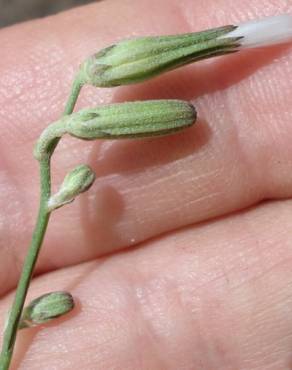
[[45, 308]]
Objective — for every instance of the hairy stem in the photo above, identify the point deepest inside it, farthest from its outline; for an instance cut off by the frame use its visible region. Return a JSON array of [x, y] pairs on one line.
[[36, 243]]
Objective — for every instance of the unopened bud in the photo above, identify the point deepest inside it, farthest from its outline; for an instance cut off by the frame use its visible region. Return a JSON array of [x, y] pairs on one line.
[[76, 182], [136, 60], [45, 308], [131, 120]]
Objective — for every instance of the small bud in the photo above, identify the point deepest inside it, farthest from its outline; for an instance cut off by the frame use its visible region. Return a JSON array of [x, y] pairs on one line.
[[136, 60], [45, 308], [76, 182], [264, 32], [131, 120]]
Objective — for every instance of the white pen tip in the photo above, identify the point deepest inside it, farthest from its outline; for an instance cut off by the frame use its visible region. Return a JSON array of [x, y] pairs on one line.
[[264, 32]]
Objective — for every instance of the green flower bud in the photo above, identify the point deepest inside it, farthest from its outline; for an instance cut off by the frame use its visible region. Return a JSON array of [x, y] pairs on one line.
[[136, 60], [76, 182], [45, 308], [131, 120], [114, 121]]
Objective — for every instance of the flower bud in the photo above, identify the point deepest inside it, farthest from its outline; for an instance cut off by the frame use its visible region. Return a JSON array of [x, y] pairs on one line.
[[131, 120], [136, 60], [45, 308], [76, 182]]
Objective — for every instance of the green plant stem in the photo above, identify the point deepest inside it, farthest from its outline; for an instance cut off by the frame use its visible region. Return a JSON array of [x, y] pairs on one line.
[[28, 267], [75, 91], [35, 246]]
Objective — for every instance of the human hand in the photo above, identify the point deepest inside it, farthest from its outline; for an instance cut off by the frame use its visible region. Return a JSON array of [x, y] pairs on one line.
[[205, 280]]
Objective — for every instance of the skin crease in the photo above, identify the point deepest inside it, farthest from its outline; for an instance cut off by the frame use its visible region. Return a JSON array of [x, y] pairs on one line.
[[205, 281]]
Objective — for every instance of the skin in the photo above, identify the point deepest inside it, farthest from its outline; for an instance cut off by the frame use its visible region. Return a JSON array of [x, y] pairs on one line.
[[179, 257]]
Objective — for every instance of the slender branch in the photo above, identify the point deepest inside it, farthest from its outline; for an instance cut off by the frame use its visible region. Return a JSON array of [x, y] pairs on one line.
[[75, 91], [28, 267], [36, 243]]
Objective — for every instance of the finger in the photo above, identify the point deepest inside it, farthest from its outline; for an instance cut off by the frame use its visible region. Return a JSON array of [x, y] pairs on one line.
[[215, 296], [238, 154]]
